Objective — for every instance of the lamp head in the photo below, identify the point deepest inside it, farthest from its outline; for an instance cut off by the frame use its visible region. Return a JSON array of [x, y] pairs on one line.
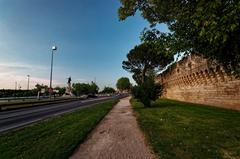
[[54, 47]]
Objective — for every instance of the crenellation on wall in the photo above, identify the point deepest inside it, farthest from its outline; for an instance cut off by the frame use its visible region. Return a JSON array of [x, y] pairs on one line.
[[195, 79]]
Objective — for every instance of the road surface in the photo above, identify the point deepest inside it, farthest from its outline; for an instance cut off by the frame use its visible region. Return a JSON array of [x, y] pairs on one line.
[[13, 119]]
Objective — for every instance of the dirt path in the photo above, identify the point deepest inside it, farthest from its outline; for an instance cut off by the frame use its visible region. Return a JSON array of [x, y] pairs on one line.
[[116, 137]]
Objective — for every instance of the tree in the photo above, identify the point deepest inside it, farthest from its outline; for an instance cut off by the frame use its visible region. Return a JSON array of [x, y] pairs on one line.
[[123, 83], [61, 90], [108, 90], [40, 87], [144, 58], [147, 91], [80, 88], [85, 88], [209, 28], [93, 88]]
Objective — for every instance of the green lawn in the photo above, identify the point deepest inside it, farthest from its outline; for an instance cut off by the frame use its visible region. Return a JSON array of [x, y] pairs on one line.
[[185, 131], [55, 138]]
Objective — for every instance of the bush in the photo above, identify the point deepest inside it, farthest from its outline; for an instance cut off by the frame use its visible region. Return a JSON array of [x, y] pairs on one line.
[[17, 93], [147, 91]]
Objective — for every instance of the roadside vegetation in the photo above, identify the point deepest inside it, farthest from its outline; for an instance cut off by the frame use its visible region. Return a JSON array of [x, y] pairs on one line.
[[85, 89], [15, 93], [55, 138], [123, 84], [144, 62], [108, 90], [184, 131]]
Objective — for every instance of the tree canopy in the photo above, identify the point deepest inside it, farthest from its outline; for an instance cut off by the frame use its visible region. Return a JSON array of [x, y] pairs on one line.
[[147, 91], [209, 28], [108, 90], [123, 83], [40, 87], [61, 90], [85, 88], [144, 58]]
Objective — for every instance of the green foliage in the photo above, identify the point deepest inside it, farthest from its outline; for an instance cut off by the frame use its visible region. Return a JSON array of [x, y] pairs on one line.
[[17, 93], [40, 87], [123, 83], [22, 93], [145, 58], [56, 138], [80, 88], [85, 88], [93, 88], [108, 90], [147, 91], [178, 130], [210, 28], [61, 90]]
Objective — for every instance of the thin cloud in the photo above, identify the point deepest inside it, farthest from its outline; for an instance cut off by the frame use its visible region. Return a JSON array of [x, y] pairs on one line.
[[20, 66], [12, 73], [9, 81]]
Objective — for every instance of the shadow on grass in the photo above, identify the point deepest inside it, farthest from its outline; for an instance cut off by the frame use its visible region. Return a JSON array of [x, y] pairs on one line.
[[185, 130]]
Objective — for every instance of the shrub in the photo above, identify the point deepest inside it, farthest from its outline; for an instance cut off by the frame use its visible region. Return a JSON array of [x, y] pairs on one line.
[[147, 91]]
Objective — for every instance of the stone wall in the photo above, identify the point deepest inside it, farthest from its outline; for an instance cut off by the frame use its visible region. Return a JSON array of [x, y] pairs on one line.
[[196, 80]]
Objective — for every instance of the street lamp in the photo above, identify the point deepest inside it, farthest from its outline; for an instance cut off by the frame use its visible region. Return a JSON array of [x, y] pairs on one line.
[[54, 48], [28, 76]]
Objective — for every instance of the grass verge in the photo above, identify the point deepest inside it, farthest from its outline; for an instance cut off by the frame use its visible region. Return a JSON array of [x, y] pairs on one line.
[[55, 138], [185, 131]]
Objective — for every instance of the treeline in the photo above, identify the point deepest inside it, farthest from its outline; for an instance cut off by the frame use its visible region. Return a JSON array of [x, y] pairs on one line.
[[17, 93], [43, 89], [78, 89], [108, 90]]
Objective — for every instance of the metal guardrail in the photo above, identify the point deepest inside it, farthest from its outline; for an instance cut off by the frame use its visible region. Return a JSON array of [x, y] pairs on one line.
[[8, 99]]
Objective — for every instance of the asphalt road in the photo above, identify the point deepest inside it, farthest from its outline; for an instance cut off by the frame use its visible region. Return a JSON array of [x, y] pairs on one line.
[[13, 119]]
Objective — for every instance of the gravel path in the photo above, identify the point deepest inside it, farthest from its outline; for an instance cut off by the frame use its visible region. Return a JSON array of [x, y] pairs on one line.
[[116, 137]]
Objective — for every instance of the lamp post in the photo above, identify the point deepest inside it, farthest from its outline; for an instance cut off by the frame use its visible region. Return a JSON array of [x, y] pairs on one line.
[[54, 48], [28, 76]]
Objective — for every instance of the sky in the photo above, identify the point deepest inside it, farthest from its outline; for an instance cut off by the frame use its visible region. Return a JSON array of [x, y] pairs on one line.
[[91, 41]]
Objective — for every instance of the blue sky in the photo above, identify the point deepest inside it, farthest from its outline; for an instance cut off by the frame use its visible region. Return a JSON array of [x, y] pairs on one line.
[[92, 42]]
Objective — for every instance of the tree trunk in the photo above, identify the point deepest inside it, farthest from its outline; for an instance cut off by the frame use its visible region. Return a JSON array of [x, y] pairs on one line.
[[143, 74]]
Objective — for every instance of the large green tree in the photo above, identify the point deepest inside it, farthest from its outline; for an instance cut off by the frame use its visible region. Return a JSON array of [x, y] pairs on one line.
[[93, 88], [147, 91], [85, 88], [80, 88], [209, 28], [123, 83], [144, 58]]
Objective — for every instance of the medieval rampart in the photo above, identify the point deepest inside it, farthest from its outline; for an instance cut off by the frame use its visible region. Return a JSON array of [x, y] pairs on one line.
[[195, 80]]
